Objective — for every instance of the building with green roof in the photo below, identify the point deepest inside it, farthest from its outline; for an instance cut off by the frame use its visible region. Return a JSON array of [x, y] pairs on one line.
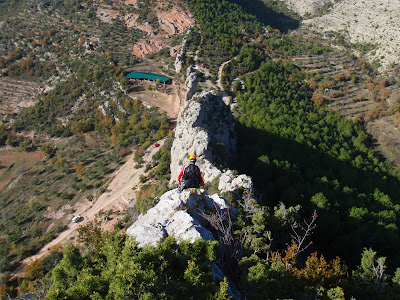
[[148, 76]]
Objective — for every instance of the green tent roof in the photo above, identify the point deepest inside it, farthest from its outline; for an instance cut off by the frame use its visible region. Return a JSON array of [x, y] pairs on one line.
[[150, 76]]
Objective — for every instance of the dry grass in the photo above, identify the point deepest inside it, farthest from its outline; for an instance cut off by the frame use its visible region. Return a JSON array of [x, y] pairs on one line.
[[14, 163]]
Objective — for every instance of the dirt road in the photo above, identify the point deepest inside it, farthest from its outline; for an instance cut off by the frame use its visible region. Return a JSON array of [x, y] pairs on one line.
[[225, 96], [117, 193]]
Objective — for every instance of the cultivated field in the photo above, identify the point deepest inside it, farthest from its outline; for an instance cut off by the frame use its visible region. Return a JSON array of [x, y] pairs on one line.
[[342, 84], [15, 94]]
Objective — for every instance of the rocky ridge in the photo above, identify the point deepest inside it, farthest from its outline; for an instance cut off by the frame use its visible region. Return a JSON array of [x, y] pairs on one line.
[[180, 57], [190, 84], [205, 127]]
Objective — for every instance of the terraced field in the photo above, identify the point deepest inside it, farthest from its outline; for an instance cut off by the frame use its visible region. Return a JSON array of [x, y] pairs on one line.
[[15, 94], [342, 83], [346, 89]]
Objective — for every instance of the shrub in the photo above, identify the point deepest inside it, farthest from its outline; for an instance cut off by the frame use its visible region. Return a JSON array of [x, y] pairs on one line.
[[142, 178], [118, 226]]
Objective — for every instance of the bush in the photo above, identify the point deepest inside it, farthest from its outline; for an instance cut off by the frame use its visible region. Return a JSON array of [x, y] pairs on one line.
[[142, 178], [118, 226], [148, 166]]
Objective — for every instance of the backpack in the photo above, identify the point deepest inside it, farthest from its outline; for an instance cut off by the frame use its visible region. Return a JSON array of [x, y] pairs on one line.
[[191, 176]]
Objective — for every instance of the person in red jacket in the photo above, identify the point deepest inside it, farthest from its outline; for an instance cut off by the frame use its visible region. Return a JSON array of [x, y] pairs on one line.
[[190, 175]]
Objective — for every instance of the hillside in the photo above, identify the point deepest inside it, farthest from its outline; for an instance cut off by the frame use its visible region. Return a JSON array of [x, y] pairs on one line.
[[358, 22], [307, 7], [295, 97], [67, 120], [366, 30]]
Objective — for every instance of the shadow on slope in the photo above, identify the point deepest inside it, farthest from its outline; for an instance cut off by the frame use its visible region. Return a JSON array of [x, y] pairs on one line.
[[357, 208], [267, 16]]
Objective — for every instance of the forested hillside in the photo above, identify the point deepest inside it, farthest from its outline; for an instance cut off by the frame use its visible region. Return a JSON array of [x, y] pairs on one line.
[[323, 221], [299, 153], [304, 158]]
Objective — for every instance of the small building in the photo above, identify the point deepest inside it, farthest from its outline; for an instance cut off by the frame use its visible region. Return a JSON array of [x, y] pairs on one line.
[[148, 76]]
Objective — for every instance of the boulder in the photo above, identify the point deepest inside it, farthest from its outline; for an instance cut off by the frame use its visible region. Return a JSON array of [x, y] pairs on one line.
[[178, 214], [230, 182]]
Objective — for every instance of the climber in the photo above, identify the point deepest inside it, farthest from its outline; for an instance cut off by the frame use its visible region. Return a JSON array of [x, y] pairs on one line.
[[190, 175]]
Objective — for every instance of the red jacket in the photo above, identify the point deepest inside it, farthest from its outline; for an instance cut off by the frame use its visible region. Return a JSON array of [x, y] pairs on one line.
[[181, 173]]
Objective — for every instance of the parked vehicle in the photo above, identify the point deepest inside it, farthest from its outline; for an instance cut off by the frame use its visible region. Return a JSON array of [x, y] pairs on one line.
[[76, 218]]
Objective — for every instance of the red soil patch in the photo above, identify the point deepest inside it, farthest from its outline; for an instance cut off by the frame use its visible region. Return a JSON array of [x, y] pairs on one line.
[[131, 21], [142, 48], [175, 20]]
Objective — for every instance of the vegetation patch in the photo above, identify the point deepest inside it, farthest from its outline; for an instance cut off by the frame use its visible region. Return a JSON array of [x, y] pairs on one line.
[[13, 164], [294, 150]]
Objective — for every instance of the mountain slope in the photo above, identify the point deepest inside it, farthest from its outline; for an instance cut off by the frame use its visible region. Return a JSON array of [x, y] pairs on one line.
[[364, 22], [316, 174]]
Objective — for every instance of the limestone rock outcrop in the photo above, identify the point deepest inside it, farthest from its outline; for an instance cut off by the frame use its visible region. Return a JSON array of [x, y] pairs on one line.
[[190, 84], [205, 128], [177, 214], [180, 57], [229, 182]]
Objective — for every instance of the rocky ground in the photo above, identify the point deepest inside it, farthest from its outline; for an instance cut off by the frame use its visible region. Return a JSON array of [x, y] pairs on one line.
[[303, 7], [364, 21]]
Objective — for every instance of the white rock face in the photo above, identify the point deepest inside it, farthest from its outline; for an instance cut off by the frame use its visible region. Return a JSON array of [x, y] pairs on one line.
[[177, 214], [180, 57], [303, 7], [190, 84], [229, 182], [204, 128], [365, 21]]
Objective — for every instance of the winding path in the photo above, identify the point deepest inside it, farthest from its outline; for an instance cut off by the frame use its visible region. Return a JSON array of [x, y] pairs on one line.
[[225, 96]]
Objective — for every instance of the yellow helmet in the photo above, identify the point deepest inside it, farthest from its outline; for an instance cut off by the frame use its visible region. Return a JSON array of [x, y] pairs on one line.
[[192, 157]]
